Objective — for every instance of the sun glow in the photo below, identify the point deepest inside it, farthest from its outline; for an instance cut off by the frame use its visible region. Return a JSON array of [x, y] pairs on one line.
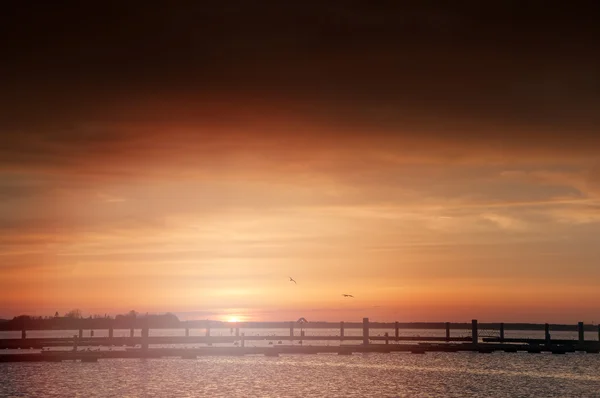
[[233, 319]]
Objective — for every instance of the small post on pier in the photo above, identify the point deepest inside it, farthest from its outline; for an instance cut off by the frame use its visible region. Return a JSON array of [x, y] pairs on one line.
[[502, 332], [187, 332], [237, 332], [387, 338], [291, 328], [80, 333], [598, 332], [111, 331], [547, 333], [365, 331], [145, 334], [243, 339], [447, 331], [207, 329], [397, 330], [131, 332], [342, 329], [580, 331], [474, 331]]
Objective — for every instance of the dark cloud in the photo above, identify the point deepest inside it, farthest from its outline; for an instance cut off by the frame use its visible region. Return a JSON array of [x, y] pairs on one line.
[[490, 75]]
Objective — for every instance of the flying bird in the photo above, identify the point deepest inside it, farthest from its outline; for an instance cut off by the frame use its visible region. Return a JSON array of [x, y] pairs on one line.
[[348, 295], [292, 280]]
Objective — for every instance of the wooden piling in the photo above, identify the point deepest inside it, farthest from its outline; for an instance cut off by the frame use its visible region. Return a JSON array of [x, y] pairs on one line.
[[387, 338], [502, 332], [598, 332], [396, 330], [365, 331], [342, 329], [547, 333], [111, 332], [237, 332], [207, 330], [243, 339], [131, 332], [75, 341], [447, 331], [145, 334], [580, 332], [474, 331], [291, 328], [23, 329], [80, 333]]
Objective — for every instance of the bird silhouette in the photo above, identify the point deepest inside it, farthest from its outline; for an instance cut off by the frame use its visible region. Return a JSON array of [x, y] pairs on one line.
[[348, 295], [292, 280]]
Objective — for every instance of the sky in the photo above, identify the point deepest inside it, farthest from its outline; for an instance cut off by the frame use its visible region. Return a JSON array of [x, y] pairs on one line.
[[439, 163]]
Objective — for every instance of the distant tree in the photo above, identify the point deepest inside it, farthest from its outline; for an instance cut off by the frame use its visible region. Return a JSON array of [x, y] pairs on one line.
[[75, 314], [56, 314], [132, 314]]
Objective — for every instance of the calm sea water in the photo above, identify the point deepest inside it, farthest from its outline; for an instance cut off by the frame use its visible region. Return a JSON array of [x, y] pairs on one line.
[[367, 375], [360, 375]]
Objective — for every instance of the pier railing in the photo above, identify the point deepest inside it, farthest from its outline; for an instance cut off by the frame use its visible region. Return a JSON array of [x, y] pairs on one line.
[[477, 332]]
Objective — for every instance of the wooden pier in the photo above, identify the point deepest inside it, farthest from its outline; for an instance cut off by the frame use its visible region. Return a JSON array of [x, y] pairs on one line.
[[194, 353], [112, 347]]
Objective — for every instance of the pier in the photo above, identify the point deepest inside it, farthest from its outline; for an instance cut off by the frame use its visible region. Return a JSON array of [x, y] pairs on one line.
[[478, 337]]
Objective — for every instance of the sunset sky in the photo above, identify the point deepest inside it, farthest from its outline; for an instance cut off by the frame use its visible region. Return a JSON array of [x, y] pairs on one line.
[[440, 164]]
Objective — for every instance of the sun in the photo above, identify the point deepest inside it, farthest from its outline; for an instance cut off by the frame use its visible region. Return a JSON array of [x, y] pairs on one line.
[[233, 319]]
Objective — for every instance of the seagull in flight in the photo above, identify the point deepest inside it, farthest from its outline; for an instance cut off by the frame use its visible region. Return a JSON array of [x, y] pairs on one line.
[[348, 295], [292, 280]]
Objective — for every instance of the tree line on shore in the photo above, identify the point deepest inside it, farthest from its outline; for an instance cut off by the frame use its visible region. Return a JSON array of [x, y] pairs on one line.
[[75, 320]]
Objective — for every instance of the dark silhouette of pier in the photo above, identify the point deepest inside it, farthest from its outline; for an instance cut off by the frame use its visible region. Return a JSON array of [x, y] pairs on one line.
[[140, 346]]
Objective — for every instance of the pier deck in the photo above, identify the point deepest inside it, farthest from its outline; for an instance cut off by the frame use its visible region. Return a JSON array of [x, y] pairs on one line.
[[193, 353]]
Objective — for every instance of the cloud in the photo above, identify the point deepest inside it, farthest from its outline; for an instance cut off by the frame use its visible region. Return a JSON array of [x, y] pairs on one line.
[[296, 136], [504, 222]]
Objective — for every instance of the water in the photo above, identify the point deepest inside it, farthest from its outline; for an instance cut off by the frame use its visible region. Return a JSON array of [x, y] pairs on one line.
[[361, 375], [367, 375]]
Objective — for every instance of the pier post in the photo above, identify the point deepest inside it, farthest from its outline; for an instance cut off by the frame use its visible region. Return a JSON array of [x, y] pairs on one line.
[[131, 332], [396, 330], [474, 331], [187, 332], [243, 339], [365, 331], [237, 332], [80, 333], [502, 332], [207, 329], [23, 333], [547, 333], [111, 331], [342, 329], [291, 328], [447, 331], [145, 334], [598, 332], [580, 331], [387, 338]]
